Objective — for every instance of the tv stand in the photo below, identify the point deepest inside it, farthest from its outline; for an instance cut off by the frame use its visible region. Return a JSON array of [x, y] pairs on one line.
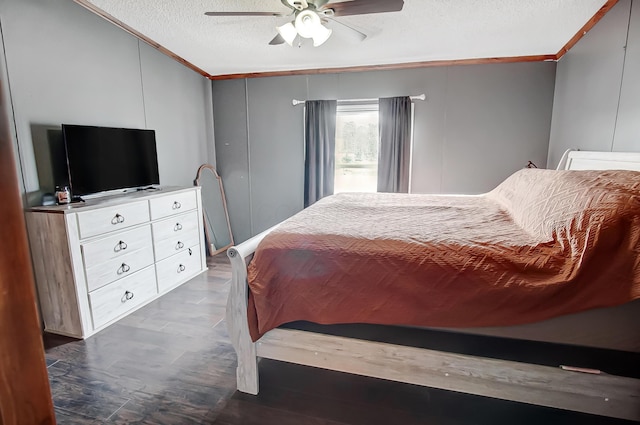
[[98, 261]]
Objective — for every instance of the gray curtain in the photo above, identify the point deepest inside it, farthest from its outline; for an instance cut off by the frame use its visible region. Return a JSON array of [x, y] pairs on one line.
[[320, 147], [395, 144]]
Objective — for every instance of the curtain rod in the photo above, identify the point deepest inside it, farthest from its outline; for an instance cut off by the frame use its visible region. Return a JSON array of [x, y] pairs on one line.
[[413, 98]]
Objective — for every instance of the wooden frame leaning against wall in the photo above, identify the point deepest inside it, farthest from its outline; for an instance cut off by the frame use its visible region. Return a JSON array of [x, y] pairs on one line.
[[600, 394]]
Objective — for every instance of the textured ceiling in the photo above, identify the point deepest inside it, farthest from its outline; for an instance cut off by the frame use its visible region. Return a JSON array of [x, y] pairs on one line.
[[425, 30]]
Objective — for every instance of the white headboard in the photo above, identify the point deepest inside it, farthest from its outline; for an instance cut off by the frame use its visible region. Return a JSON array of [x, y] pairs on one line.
[[592, 160]]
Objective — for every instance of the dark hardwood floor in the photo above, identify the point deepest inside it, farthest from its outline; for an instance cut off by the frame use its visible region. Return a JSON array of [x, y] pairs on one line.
[[171, 362]]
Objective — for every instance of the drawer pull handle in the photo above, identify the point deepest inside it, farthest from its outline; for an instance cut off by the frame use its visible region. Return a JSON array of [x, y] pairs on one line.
[[117, 219], [190, 251], [121, 246], [179, 245], [127, 296], [176, 205], [181, 268], [177, 227], [123, 268]]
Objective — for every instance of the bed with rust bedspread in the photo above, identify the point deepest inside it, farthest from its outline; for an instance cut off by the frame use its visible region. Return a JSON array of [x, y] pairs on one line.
[[542, 244]]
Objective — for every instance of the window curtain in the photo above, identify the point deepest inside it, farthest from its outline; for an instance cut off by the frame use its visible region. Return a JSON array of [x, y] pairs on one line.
[[320, 147], [395, 144]]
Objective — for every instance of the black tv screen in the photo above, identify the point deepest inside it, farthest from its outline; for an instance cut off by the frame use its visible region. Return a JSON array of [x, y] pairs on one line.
[[104, 158]]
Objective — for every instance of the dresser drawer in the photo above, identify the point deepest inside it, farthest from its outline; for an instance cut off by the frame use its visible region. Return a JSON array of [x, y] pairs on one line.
[[171, 204], [175, 226], [116, 246], [114, 300], [109, 219], [179, 242], [117, 268], [177, 268]]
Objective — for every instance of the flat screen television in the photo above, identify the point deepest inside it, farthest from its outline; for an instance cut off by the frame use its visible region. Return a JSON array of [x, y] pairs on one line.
[[100, 159]]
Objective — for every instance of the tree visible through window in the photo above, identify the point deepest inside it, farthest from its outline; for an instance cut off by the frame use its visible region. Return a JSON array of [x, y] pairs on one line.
[[356, 148]]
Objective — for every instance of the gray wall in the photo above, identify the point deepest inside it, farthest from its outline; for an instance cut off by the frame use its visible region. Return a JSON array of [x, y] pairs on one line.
[[627, 132], [67, 65], [597, 93], [478, 125]]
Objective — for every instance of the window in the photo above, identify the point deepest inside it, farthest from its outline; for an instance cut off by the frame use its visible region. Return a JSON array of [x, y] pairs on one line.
[[356, 147]]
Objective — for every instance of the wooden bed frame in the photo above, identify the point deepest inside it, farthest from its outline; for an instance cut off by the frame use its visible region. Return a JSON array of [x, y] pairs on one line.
[[599, 394]]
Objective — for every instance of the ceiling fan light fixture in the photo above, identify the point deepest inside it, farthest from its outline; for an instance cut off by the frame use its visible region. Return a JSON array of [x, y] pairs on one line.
[[321, 35], [307, 23], [288, 32]]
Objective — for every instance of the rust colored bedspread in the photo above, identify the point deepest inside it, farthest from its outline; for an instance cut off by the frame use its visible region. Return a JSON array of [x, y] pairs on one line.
[[543, 243]]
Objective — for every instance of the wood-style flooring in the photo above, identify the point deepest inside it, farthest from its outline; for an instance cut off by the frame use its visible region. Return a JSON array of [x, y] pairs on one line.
[[171, 362]]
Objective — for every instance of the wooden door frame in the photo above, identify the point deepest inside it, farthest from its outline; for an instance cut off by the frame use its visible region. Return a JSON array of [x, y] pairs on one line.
[[25, 395]]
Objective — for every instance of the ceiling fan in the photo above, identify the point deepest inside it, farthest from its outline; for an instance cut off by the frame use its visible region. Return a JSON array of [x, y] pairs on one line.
[[310, 15]]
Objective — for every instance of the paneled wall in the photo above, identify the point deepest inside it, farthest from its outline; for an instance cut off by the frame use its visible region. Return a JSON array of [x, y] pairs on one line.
[[597, 94], [627, 134], [66, 65], [478, 125]]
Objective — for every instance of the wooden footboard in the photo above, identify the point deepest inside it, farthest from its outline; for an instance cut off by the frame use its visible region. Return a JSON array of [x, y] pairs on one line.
[[601, 394], [236, 315]]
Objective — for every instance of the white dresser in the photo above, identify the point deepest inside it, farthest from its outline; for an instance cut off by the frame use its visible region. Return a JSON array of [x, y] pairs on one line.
[[98, 261]]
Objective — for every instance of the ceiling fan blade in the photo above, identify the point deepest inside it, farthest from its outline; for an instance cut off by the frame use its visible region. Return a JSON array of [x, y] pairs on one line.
[[362, 7], [289, 5], [245, 14], [277, 40], [344, 29], [319, 3]]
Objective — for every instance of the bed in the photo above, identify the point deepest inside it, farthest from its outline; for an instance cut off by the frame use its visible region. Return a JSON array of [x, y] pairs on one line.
[[556, 318]]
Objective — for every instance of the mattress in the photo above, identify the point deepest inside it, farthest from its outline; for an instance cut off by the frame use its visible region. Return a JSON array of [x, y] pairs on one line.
[[544, 243]]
